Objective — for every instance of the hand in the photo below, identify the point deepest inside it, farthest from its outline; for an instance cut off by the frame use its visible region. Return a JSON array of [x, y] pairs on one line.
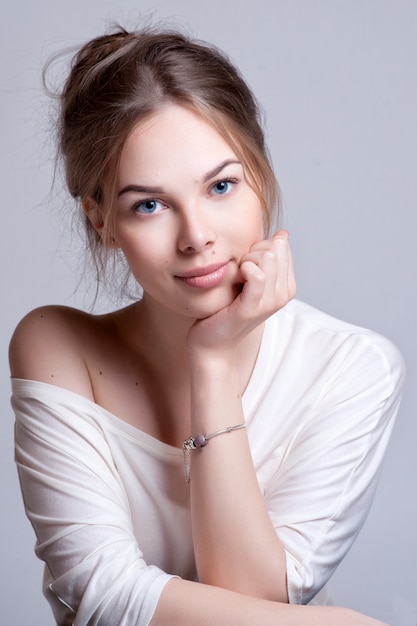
[[266, 274]]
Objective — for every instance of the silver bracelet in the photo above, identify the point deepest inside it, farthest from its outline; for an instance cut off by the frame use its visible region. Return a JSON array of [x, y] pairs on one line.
[[199, 441]]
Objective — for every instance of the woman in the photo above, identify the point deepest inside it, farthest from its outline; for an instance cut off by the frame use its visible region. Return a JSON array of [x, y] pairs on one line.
[[208, 453]]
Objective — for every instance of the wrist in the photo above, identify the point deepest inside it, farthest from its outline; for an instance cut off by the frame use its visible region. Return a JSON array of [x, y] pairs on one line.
[[215, 396], [210, 362], [200, 441]]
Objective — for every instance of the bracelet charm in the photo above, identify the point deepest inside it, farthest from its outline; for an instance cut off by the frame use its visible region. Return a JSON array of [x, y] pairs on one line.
[[200, 441]]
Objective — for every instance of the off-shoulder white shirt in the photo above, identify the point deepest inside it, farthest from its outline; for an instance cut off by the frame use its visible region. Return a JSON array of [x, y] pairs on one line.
[[109, 503]]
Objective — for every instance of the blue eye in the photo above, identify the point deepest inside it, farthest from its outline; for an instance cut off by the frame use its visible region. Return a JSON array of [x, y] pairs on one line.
[[221, 187], [148, 207]]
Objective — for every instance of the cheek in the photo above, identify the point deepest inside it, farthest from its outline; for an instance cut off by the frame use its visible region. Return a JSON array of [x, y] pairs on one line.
[[139, 258], [247, 235], [253, 223], [141, 246]]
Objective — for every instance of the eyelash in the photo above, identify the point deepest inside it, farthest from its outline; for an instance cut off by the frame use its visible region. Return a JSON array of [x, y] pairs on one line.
[[230, 181], [136, 206]]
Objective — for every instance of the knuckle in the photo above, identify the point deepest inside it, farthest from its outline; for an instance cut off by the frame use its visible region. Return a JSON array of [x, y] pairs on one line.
[[269, 256]]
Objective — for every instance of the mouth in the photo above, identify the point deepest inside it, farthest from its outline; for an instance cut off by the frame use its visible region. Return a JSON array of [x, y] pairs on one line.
[[205, 277]]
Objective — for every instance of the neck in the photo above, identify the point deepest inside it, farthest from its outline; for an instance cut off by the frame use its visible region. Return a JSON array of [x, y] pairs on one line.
[[158, 333]]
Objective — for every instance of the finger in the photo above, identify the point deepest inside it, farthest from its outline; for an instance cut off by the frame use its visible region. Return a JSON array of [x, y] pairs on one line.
[[286, 274], [274, 258], [282, 233], [265, 244], [254, 277], [272, 255], [262, 263], [292, 283], [259, 295]]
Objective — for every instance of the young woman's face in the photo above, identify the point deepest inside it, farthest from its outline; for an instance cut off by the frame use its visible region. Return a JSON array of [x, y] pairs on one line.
[[185, 213]]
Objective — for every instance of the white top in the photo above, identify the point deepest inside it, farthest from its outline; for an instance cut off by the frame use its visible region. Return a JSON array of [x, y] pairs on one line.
[[109, 503]]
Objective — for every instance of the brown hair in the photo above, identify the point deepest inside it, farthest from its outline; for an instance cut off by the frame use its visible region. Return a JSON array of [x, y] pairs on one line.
[[118, 80]]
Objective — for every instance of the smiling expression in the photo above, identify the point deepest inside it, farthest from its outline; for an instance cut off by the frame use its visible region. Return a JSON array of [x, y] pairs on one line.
[[185, 213]]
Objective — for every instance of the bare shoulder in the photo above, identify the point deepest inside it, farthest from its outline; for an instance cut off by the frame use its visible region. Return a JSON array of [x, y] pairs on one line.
[[51, 345]]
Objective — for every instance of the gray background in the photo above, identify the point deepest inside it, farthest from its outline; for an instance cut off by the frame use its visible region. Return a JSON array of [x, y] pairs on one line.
[[337, 80]]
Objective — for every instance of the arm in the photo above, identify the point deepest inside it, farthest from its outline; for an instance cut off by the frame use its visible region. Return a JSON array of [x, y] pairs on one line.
[[185, 603], [235, 544], [332, 460], [319, 500], [95, 571]]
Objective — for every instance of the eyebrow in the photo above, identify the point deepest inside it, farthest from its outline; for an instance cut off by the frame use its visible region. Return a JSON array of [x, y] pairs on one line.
[[216, 170], [140, 189], [159, 190]]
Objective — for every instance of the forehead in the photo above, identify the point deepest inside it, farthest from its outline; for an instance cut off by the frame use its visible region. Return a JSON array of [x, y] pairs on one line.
[[173, 138]]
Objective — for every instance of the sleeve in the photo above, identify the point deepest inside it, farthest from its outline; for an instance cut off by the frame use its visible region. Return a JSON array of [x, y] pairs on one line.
[[94, 570], [319, 498]]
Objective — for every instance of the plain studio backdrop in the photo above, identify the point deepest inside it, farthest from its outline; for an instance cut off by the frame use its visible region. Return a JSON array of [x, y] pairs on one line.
[[337, 82]]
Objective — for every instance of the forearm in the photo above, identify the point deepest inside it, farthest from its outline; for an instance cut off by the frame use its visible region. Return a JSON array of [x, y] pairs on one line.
[[185, 603], [235, 544]]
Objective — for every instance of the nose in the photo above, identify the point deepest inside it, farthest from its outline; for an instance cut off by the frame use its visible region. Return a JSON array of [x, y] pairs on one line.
[[195, 231]]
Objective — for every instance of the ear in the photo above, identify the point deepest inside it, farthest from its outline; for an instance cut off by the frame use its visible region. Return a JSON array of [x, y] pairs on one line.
[[93, 211]]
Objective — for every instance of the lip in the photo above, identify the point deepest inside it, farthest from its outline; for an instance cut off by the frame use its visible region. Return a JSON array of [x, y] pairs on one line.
[[205, 277]]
